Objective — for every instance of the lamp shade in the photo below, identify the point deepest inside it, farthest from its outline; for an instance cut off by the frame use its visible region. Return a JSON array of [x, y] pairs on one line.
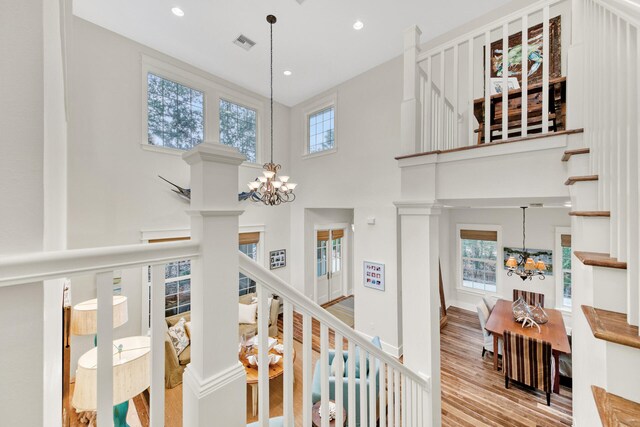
[[84, 315], [540, 265], [131, 373], [530, 264], [511, 262]]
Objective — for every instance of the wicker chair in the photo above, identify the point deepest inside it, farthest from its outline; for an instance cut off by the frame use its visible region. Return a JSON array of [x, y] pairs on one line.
[[529, 362], [531, 298]]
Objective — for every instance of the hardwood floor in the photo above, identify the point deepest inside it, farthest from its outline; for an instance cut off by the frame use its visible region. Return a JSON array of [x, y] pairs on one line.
[[473, 394]]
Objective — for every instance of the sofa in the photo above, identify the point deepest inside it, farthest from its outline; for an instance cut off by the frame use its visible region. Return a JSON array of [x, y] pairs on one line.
[[174, 365], [316, 394]]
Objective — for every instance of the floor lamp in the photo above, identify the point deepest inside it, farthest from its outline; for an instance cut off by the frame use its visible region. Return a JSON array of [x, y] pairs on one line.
[[131, 376]]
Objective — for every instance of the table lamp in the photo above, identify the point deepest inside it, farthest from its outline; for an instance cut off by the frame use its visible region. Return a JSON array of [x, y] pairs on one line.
[[84, 316], [131, 376]]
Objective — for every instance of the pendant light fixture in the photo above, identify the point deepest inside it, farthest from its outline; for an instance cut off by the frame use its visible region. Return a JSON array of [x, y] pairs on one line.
[[525, 267], [270, 188]]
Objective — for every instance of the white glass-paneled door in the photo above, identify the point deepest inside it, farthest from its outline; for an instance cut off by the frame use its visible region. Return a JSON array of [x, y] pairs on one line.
[[329, 264]]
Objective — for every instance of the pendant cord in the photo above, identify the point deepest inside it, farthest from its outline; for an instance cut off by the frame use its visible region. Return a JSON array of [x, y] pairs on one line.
[[523, 229], [271, 84]]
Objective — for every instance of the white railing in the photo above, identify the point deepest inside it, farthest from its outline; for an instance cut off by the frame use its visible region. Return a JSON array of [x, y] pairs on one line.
[[389, 392], [101, 262], [457, 68], [610, 33]]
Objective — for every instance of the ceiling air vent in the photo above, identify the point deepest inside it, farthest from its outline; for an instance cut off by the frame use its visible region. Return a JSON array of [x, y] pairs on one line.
[[536, 205], [244, 42]]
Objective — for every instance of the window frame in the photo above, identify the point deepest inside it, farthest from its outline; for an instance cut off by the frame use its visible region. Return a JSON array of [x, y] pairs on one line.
[[309, 110], [499, 259], [214, 89], [559, 272]]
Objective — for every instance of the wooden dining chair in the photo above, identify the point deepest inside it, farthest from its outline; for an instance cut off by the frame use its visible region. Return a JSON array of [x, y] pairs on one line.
[[528, 361], [531, 298]]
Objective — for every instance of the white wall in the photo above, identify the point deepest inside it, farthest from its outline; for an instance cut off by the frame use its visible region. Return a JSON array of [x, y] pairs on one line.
[[22, 218], [114, 191], [361, 175], [540, 232]]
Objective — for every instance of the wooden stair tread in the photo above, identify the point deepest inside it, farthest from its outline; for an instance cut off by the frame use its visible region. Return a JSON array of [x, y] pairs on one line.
[[605, 214], [597, 259], [567, 154], [614, 410], [611, 326], [573, 179], [516, 123]]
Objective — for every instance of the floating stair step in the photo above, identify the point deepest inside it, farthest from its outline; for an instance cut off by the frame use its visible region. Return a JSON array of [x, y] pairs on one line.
[[603, 214], [597, 259], [614, 410], [567, 154], [573, 179], [611, 326]]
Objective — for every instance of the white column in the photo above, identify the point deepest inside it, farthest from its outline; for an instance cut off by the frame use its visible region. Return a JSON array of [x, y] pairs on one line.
[[214, 381], [411, 109], [419, 240]]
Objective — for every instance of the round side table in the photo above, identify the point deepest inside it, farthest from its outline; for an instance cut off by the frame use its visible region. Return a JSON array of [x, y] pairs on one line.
[[316, 421]]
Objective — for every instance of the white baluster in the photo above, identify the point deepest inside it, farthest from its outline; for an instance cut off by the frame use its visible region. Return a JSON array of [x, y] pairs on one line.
[[104, 374], [351, 371], [339, 381], [373, 389], [456, 71], [429, 107], [158, 326], [470, 114], [383, 394], [441, 121], [363, 387], [545, 69], [505, 80], [406, 417], [524, 74], [289, 373], [623, 132], [307, 367], [397, 399], [487, 85], [324, 375], [263, 356]]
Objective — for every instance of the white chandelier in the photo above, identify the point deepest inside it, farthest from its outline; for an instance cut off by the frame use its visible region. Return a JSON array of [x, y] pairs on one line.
[[269, 188]]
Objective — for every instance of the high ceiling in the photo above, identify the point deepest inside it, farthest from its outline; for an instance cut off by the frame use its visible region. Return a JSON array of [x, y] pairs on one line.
[[314, 39]]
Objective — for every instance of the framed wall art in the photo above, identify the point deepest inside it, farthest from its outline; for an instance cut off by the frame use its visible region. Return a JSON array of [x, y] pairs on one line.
[[373, 275], [277, 259]]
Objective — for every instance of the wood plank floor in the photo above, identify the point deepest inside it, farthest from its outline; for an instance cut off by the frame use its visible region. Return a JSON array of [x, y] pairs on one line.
[[473, 394]]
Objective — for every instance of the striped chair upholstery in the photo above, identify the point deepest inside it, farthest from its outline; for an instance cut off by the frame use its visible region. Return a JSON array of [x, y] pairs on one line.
[[528, 361], [531, 298]]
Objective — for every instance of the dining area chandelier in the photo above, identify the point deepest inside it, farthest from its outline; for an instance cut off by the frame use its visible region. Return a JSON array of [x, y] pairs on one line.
[[271, 189], [525, 267]]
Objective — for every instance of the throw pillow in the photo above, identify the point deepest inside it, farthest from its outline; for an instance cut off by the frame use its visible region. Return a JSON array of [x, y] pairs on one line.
[[334, 367], [247, 313], [187, 327], [178, 336]]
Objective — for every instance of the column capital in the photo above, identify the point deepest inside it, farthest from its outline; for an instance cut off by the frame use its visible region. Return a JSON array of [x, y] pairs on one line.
[[418, 207], [212, 151]]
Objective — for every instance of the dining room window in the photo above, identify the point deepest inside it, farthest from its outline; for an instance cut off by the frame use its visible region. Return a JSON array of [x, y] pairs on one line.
[[479, 259], [565, 244], [248, 245]]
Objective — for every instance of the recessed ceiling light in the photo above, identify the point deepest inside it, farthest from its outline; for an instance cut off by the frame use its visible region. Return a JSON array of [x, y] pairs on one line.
[[287, 73], [177, 11], [358, 25]]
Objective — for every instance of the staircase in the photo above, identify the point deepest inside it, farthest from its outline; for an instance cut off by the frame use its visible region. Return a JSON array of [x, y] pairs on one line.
[[602, 169]]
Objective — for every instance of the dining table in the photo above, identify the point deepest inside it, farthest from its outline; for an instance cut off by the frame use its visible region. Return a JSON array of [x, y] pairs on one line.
[[501, 319]]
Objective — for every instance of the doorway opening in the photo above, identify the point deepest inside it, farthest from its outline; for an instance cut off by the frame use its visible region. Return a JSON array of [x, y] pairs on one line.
[[330, 276]]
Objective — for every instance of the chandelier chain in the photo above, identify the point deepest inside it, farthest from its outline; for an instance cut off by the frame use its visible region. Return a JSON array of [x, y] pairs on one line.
[[524, 225], [271, 83]]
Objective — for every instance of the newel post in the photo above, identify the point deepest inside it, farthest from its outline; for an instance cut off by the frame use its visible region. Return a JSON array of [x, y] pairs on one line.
[[419, 243], [214, 382], [411, 109]]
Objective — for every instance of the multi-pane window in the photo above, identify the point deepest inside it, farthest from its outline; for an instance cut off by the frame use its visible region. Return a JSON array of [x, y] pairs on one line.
[[238, 128], [336, 255], [175, 114], [177, 287], [246, 285], [479, 254], [321, 130], [321, 257], [566, 270]]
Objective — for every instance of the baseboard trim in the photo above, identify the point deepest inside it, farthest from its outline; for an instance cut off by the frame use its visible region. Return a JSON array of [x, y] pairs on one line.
[[388, 348], [203, 387]]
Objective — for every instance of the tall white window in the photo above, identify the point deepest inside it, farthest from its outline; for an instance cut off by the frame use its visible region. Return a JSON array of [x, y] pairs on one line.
[[177, 287], [321, 130], [565, 243], [322, 259], [238, 128], [175, 114], [479, 259], [249, 246]]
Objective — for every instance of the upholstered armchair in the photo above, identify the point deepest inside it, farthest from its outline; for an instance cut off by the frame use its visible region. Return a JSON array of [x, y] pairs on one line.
[[483, 316], [316, 395], [531, 298], [529, 362]]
